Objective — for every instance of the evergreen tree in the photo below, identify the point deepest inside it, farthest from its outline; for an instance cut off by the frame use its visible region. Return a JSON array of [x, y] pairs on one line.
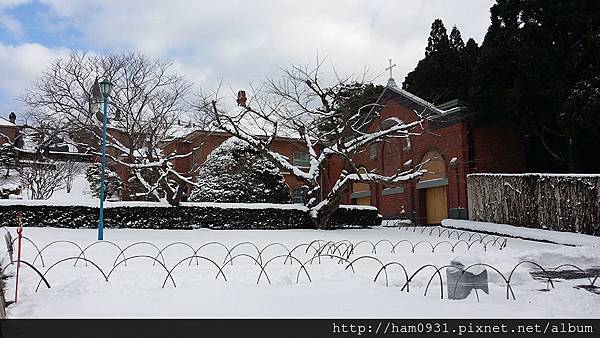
[[456, 42], [234, 172], [112, 181], [538, 72], [445, 72], [438, 39]]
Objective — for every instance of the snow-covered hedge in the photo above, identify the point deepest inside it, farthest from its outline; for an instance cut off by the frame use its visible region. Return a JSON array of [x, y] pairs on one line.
[[148, 215], [567, 202]]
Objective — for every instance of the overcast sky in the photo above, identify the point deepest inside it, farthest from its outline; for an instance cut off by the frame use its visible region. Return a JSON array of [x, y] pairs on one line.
[[234, 41]]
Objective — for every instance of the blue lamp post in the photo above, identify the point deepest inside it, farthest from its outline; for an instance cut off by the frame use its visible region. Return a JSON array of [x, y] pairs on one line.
[[105, 87]]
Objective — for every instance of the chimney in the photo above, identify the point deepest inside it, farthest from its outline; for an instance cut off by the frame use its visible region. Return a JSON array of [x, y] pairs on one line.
[[241, 100], [12, 117]]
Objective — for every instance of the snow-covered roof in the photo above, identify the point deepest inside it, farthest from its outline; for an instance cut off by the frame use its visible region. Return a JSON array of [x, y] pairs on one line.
[[414, 98], [6, 123]]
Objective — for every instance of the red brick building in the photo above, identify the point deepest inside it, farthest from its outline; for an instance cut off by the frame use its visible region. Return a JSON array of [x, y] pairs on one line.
[[452, 144], [8, 129], [200, 143]]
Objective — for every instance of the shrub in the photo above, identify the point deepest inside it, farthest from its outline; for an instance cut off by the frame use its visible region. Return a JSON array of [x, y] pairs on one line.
[[144, 215], [112, 181], [235, 172]]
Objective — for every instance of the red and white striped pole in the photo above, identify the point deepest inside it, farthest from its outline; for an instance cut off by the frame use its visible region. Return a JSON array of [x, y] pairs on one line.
[[20, 234]]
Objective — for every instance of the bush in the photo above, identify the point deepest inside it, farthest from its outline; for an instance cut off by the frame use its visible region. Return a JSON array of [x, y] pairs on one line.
[[112, 182], [234, 172], [142, 215]]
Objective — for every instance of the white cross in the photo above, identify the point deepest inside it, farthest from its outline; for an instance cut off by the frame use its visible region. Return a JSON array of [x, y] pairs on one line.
[[390, 68]]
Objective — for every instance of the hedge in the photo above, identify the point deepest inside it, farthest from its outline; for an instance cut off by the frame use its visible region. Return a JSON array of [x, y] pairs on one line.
[[187, 216], [561, 202]]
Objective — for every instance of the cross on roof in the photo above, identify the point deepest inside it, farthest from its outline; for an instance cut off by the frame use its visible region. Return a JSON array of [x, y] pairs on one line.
[[390, 68]]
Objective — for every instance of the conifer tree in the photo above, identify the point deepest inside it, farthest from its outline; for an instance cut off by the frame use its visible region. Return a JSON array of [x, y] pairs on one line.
[[445, 72], [234, 172]]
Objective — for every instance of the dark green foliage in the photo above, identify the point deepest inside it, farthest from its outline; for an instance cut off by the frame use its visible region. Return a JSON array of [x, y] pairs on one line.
[[234, 172], [539, 72], [9, 180], [112, 181], [445, 72], [182, 217], [345, 216]]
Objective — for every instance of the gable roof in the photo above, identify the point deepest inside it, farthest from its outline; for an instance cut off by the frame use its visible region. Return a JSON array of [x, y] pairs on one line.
[[6, 123], [409, 100]]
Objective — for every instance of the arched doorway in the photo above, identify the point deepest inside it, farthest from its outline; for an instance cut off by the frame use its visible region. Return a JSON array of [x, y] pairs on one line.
[[361, 192], [433, 186]]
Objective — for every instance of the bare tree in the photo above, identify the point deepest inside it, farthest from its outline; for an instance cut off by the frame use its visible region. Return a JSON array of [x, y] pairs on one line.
[[70, 170], [296, 104], [41, 179], [148, 98]]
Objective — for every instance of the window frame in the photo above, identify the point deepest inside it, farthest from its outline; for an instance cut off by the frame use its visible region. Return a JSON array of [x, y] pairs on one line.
[[300, 161]]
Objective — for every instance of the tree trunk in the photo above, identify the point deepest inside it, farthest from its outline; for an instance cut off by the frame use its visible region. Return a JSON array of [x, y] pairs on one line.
[[322, 221]]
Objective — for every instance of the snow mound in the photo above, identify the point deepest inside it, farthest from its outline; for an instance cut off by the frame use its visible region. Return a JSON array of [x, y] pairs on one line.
[[558, 237]]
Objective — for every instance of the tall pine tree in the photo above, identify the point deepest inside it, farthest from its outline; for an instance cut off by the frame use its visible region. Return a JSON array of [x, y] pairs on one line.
[[539, 71], [445, 72]]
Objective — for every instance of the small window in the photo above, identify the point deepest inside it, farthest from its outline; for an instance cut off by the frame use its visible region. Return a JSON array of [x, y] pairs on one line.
[[195, 159], [407, 146], [301, 159], [297, 196], [373, 151]]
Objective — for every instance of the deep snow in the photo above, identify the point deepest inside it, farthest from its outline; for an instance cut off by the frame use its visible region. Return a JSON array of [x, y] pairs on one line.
[[135, 290], [568, 238]]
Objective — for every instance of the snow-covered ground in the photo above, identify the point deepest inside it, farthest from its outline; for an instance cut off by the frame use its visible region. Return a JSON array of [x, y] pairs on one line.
[[567, 238], [135, 289]]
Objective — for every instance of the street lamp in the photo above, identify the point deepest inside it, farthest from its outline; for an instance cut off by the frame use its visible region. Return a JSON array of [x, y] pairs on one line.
[[105, 87]]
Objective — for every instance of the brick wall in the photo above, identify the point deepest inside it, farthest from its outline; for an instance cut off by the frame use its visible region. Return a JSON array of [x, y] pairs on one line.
[[448, 138], [10, 132], [205, 143], [498, 149]]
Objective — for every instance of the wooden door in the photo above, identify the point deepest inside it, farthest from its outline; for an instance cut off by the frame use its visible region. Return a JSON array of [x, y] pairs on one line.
[[437, 205], [363, 200]]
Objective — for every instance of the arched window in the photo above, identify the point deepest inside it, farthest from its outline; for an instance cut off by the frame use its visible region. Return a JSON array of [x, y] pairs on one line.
[[435, 166]]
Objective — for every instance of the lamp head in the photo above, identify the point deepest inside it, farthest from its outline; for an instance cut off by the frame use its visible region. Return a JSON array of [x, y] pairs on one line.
[[105, 87]]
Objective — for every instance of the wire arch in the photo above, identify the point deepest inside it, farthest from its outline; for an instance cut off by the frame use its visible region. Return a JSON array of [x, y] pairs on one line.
[[385, 241], [211, 243], [440, 243], [419, 242], [59, 242], [407, 284], [238, 245], [31, 266], [534, 264], [351, 264], [32, 243], [67, 259], [384, 268], [139, 243], [173, 244], [190, 258], [99, 242], [302, 267], [508, 287], [254, 259], [142, 256]]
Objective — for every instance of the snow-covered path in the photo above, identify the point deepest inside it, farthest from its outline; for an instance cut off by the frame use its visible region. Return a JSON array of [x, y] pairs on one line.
[[134, 289]]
